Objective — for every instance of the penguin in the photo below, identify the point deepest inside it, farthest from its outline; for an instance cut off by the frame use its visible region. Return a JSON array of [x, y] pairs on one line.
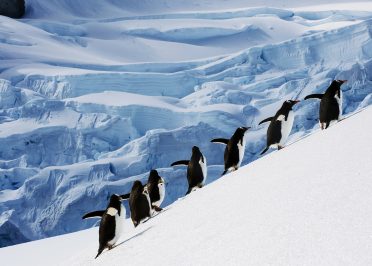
[[235, 148], [280, 126], [330, 103], [139, 203], [110, 227], [196, 169], [156, 188]]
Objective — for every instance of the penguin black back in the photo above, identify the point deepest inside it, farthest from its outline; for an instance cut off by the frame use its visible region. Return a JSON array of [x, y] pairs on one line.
[[331, 103], [280, 125], [234, 151], [196, 169], [195, 175], [108, 225], [139, 203]]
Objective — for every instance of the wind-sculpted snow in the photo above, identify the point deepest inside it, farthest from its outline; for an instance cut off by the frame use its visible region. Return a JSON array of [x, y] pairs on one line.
[[95, 103]]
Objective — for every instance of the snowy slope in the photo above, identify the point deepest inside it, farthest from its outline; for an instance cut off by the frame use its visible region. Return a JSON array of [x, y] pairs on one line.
[[95, 94], [308, 204]]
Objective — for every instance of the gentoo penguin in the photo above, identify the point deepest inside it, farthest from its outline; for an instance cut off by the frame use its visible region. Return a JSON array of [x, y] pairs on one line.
[[235, 148], [196, 169], [139, 203], [280, 126], [110, 227], [156, 189], [330, 103]]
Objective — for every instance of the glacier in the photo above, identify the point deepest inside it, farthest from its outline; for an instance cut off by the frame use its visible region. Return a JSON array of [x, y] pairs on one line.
[[90, 103]]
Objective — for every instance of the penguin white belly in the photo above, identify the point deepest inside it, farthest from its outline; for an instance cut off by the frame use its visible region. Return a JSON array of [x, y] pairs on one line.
[[286, 128], [241, 148], [203, 166], [152, 211], [339, 101], [118, 225], [161, 187]]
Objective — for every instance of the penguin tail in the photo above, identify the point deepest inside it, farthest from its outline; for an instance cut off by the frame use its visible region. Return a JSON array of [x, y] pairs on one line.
[[101, 248], [188, 191], [265, 150], [224, 172]]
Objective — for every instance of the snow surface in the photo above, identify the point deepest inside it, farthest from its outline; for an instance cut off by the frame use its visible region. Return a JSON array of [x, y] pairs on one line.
[[95, 94], [308, 204]]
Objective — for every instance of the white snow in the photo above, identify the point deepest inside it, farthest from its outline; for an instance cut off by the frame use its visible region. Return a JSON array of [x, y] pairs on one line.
[[94, 94], [308, 204]]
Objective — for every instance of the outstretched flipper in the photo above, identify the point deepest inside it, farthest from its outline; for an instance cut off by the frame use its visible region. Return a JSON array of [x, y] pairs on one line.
[[265, 150], [220, 141], [182, 162], [266, 120], [125, 196], [314, 96], [95, 214]]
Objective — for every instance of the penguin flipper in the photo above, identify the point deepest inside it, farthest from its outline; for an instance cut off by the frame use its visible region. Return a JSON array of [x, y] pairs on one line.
[[95, 214], [125, 196], [181, 162], [314, 96], [265, 150], [220, 141], [266, 120]]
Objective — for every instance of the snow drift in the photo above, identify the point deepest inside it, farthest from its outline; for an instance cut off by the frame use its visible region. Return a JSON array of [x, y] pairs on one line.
[[307, 204]]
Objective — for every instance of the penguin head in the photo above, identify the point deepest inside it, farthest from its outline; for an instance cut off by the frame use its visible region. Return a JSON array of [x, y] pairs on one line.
[[195, 149], [240, 131], [137, 187], [335, 88], [155, 178], [340, 81], [115, 202], [196, 153], [289, 104]]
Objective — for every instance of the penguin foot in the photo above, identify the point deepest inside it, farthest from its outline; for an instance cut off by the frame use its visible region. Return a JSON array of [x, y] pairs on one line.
[[156, 208]]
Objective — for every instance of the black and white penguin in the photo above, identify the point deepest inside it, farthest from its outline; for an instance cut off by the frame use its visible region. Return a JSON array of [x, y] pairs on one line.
[[110, 227], [330, 103], [196, 169], [235, 148], [156, 189], [139, 203], [280, 126]]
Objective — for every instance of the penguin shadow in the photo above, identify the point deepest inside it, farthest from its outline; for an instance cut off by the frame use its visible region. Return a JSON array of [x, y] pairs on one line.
[[132, 237]]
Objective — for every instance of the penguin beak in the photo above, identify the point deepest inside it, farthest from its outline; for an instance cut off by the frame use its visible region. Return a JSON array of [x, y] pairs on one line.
[[343, 81]]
